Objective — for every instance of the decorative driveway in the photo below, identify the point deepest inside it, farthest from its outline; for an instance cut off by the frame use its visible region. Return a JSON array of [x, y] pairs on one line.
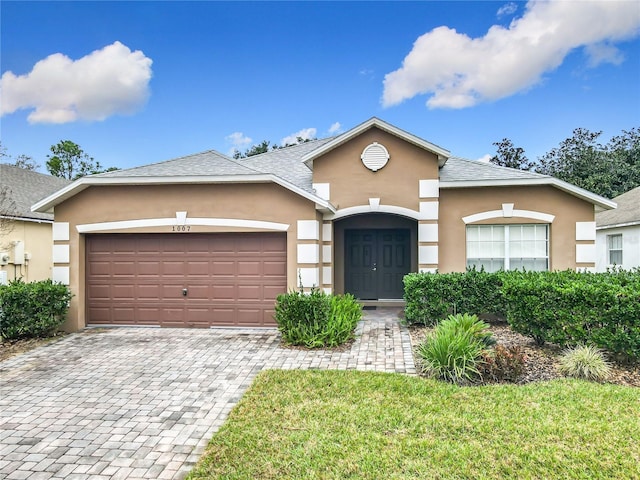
[[133, 403]]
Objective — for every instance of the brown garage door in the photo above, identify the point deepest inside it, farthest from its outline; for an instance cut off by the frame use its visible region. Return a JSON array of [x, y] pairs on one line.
[[185, 280]]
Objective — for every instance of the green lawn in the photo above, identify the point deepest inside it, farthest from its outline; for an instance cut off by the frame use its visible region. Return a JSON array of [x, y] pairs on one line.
[[347, 424]]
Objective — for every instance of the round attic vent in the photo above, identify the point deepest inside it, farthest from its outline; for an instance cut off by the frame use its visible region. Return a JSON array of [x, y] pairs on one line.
[[375, 156]]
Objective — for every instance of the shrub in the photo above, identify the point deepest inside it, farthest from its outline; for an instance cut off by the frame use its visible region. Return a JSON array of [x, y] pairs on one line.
[[502, 364], [316, 319], [430, 297], [584, 362], [34, 309], [452, 351], [569, 309], [472, 325]]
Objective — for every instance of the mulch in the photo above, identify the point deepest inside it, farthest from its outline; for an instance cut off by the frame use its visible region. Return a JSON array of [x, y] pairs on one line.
[[541, 362]]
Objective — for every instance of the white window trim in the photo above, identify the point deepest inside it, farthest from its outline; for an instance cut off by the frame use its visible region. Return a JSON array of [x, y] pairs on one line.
[[609, 249], [508, 213], [507, 247]]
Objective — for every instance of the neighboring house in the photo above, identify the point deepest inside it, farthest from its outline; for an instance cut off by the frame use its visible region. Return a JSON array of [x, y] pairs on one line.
[[206, 240], [25, 243], [618, 233]]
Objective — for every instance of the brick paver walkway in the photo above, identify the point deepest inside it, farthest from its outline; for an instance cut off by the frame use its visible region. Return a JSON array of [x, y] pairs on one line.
[[133, 403]]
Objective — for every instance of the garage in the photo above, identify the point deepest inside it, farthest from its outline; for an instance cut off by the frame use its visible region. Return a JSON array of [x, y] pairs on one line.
[[185, 279]]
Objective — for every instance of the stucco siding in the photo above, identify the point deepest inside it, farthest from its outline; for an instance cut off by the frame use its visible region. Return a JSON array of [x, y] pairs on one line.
[[251, 202], [455, 204], [351, 184], [36, 237]]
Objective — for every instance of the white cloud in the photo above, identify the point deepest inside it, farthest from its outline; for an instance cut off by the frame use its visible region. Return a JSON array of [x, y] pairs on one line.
[[335, 128], [459, 71], [238, 139], [485, 158], [113, 80], [507, 9], [603, 53], [305, 134]]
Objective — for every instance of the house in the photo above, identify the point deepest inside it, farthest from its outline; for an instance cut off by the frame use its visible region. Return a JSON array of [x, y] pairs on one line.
[[206, 240], [618, 233], [25, 236]]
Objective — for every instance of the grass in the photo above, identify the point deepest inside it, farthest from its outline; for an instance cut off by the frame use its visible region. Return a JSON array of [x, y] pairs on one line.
[[365, 425]]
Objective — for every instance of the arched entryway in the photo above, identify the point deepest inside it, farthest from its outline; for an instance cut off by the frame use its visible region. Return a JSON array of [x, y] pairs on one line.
[[374, 252]]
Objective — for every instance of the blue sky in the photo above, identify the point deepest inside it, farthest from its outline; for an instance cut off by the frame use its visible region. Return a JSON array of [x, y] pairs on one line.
[[140, 82]]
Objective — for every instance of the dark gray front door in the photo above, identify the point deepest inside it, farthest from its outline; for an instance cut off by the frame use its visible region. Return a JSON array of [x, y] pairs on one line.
[[376, 260]]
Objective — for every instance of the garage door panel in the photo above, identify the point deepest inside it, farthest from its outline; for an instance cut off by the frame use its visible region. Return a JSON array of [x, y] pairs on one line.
[[198, 292], [232, 279], [148, 315], [99, 269], [149, 292], [123, 268], [149, 268], [99, 292], [223, 292], [172, 291], [100, 315], [252, 268], [172, 268], [275, 269], [123, 292], [197, 269], [223, 269], [249, 316], [123, 315]]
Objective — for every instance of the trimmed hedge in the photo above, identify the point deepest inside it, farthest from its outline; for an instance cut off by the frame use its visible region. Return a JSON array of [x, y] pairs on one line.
[[33, 309], [431, 297], [317, 319], [569, 309], [566, 308]]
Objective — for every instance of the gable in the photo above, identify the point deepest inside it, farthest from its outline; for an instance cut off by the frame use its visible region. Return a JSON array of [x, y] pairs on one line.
[[341, 175]]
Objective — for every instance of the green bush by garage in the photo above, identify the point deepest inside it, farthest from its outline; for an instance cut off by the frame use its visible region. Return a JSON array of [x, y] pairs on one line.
[[29, 310]]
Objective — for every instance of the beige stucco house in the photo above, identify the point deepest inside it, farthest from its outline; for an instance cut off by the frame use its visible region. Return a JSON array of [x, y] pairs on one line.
[[206, 240], [25, 236]]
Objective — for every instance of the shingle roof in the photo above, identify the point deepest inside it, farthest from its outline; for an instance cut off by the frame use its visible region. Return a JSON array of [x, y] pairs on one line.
[[284, 163], [292, 168], [209, 163], [461, 170], [628, 211], [26, 187]]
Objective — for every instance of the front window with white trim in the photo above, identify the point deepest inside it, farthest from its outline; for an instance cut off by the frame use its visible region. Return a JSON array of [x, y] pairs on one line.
[[508, 247], [614, 248]]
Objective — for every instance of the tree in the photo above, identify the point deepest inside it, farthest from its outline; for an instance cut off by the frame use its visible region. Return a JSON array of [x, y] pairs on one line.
[[262, 147], [21, 161], [265, 146], [510, 156], [69, 161], [608, 170], [26, 162], [8, 210]]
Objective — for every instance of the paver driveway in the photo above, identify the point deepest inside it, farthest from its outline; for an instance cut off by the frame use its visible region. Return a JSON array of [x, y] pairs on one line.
[[143, 403]]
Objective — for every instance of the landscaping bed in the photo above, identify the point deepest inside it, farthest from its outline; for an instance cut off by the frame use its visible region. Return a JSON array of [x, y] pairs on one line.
[[541, 362]]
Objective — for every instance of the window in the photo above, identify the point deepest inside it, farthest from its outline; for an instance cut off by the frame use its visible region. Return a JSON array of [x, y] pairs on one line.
[[614, 247], [510, 247]]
